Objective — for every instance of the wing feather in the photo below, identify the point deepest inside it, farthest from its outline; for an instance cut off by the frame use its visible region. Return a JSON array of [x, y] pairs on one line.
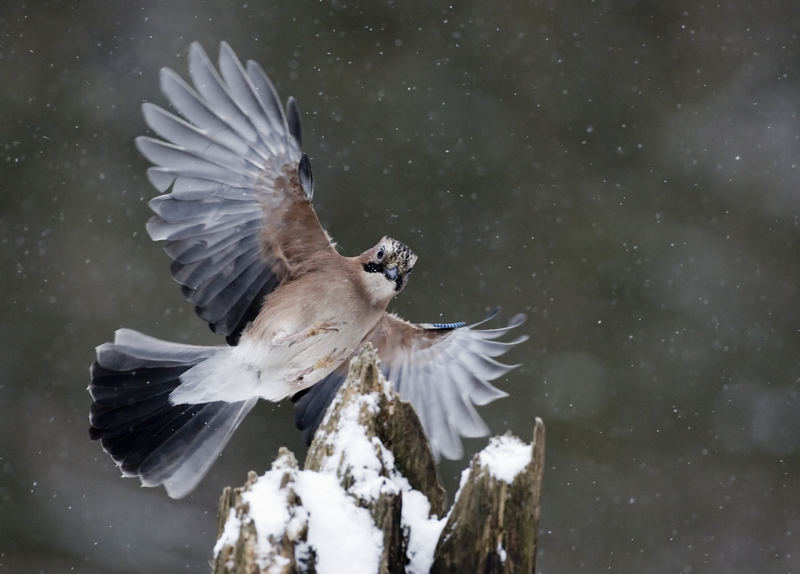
[[199, 113], [211, 87], [242, 91], [237, 219], [270, 102], [451, 370]]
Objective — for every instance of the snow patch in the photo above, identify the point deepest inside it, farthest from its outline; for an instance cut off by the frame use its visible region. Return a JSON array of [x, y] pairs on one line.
[[363, 458], [230, 533], [423, 529], [505, 457], [268, 506], [339, 531], [501, 553]]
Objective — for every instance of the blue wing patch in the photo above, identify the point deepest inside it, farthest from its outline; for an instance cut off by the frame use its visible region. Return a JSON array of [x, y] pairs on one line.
[[444, 325]]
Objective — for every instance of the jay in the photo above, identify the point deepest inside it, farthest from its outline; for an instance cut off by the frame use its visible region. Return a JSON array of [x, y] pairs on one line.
[[251, 256]]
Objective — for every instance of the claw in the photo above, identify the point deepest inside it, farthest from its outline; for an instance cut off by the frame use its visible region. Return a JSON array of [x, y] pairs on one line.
[[297, 378], [303, 334], [327, 362]]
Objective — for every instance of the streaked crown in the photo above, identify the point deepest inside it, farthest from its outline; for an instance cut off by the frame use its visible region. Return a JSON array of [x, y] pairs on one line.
[[397, 254]]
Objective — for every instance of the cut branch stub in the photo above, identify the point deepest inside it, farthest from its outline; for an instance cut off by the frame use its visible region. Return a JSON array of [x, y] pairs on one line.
[[241, 548], [492, 527]]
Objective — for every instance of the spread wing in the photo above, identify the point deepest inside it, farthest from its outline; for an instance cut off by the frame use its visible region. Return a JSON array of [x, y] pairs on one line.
[[443, 370], [238, 219]]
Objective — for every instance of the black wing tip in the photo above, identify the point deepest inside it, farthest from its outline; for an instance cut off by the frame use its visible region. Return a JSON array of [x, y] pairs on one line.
[[306, 176], [95, 433]]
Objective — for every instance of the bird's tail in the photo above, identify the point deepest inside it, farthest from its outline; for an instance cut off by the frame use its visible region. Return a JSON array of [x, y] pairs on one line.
[[132, 416]]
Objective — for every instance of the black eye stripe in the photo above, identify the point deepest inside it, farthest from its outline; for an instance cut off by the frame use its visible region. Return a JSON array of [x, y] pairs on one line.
[[373, 267]]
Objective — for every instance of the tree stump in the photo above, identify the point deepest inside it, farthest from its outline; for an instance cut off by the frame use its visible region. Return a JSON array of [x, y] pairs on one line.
[[369, 498], [493, 524]]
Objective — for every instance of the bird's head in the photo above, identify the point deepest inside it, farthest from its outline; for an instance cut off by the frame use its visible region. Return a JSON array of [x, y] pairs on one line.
[[391, 260]]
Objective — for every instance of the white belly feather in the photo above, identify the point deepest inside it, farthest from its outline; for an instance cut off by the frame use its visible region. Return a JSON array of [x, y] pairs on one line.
[[273, 369]]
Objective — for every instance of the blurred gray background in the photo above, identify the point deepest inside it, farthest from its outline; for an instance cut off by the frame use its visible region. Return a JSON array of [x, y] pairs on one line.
[[626, 173]]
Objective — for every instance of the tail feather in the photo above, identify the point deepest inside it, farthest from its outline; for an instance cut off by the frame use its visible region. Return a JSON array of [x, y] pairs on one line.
[[185, 457], [143, 432], [131, 444], [133, 350], [108, 385], [133, 405]]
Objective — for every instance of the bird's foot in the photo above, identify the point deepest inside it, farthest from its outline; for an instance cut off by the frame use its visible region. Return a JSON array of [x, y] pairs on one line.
[[298, 377], [303, 334], [327, 362]]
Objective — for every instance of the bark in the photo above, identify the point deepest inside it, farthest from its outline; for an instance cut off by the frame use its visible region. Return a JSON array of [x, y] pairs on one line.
[[493, 524]]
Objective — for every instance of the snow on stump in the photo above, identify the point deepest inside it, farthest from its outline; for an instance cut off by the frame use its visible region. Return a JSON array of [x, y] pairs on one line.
[[369, 499], [493, 524]]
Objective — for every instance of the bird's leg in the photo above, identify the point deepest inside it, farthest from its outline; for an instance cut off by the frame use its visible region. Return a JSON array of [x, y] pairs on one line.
[[327, 362], [303, 334], [299, 375]]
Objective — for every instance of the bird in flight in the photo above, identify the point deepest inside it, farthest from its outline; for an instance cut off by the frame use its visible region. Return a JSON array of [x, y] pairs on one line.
[[236, 219]]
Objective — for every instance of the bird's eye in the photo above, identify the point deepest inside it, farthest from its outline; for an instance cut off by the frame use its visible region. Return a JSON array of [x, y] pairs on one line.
[[380, 254]]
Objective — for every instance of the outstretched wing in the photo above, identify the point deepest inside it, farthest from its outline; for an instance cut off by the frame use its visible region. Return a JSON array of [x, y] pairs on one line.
[[238, 220], [442, 369]]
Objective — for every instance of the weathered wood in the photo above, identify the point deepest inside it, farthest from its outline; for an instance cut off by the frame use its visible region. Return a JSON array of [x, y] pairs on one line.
[[491, 527], [246, 555], [493, 524]]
